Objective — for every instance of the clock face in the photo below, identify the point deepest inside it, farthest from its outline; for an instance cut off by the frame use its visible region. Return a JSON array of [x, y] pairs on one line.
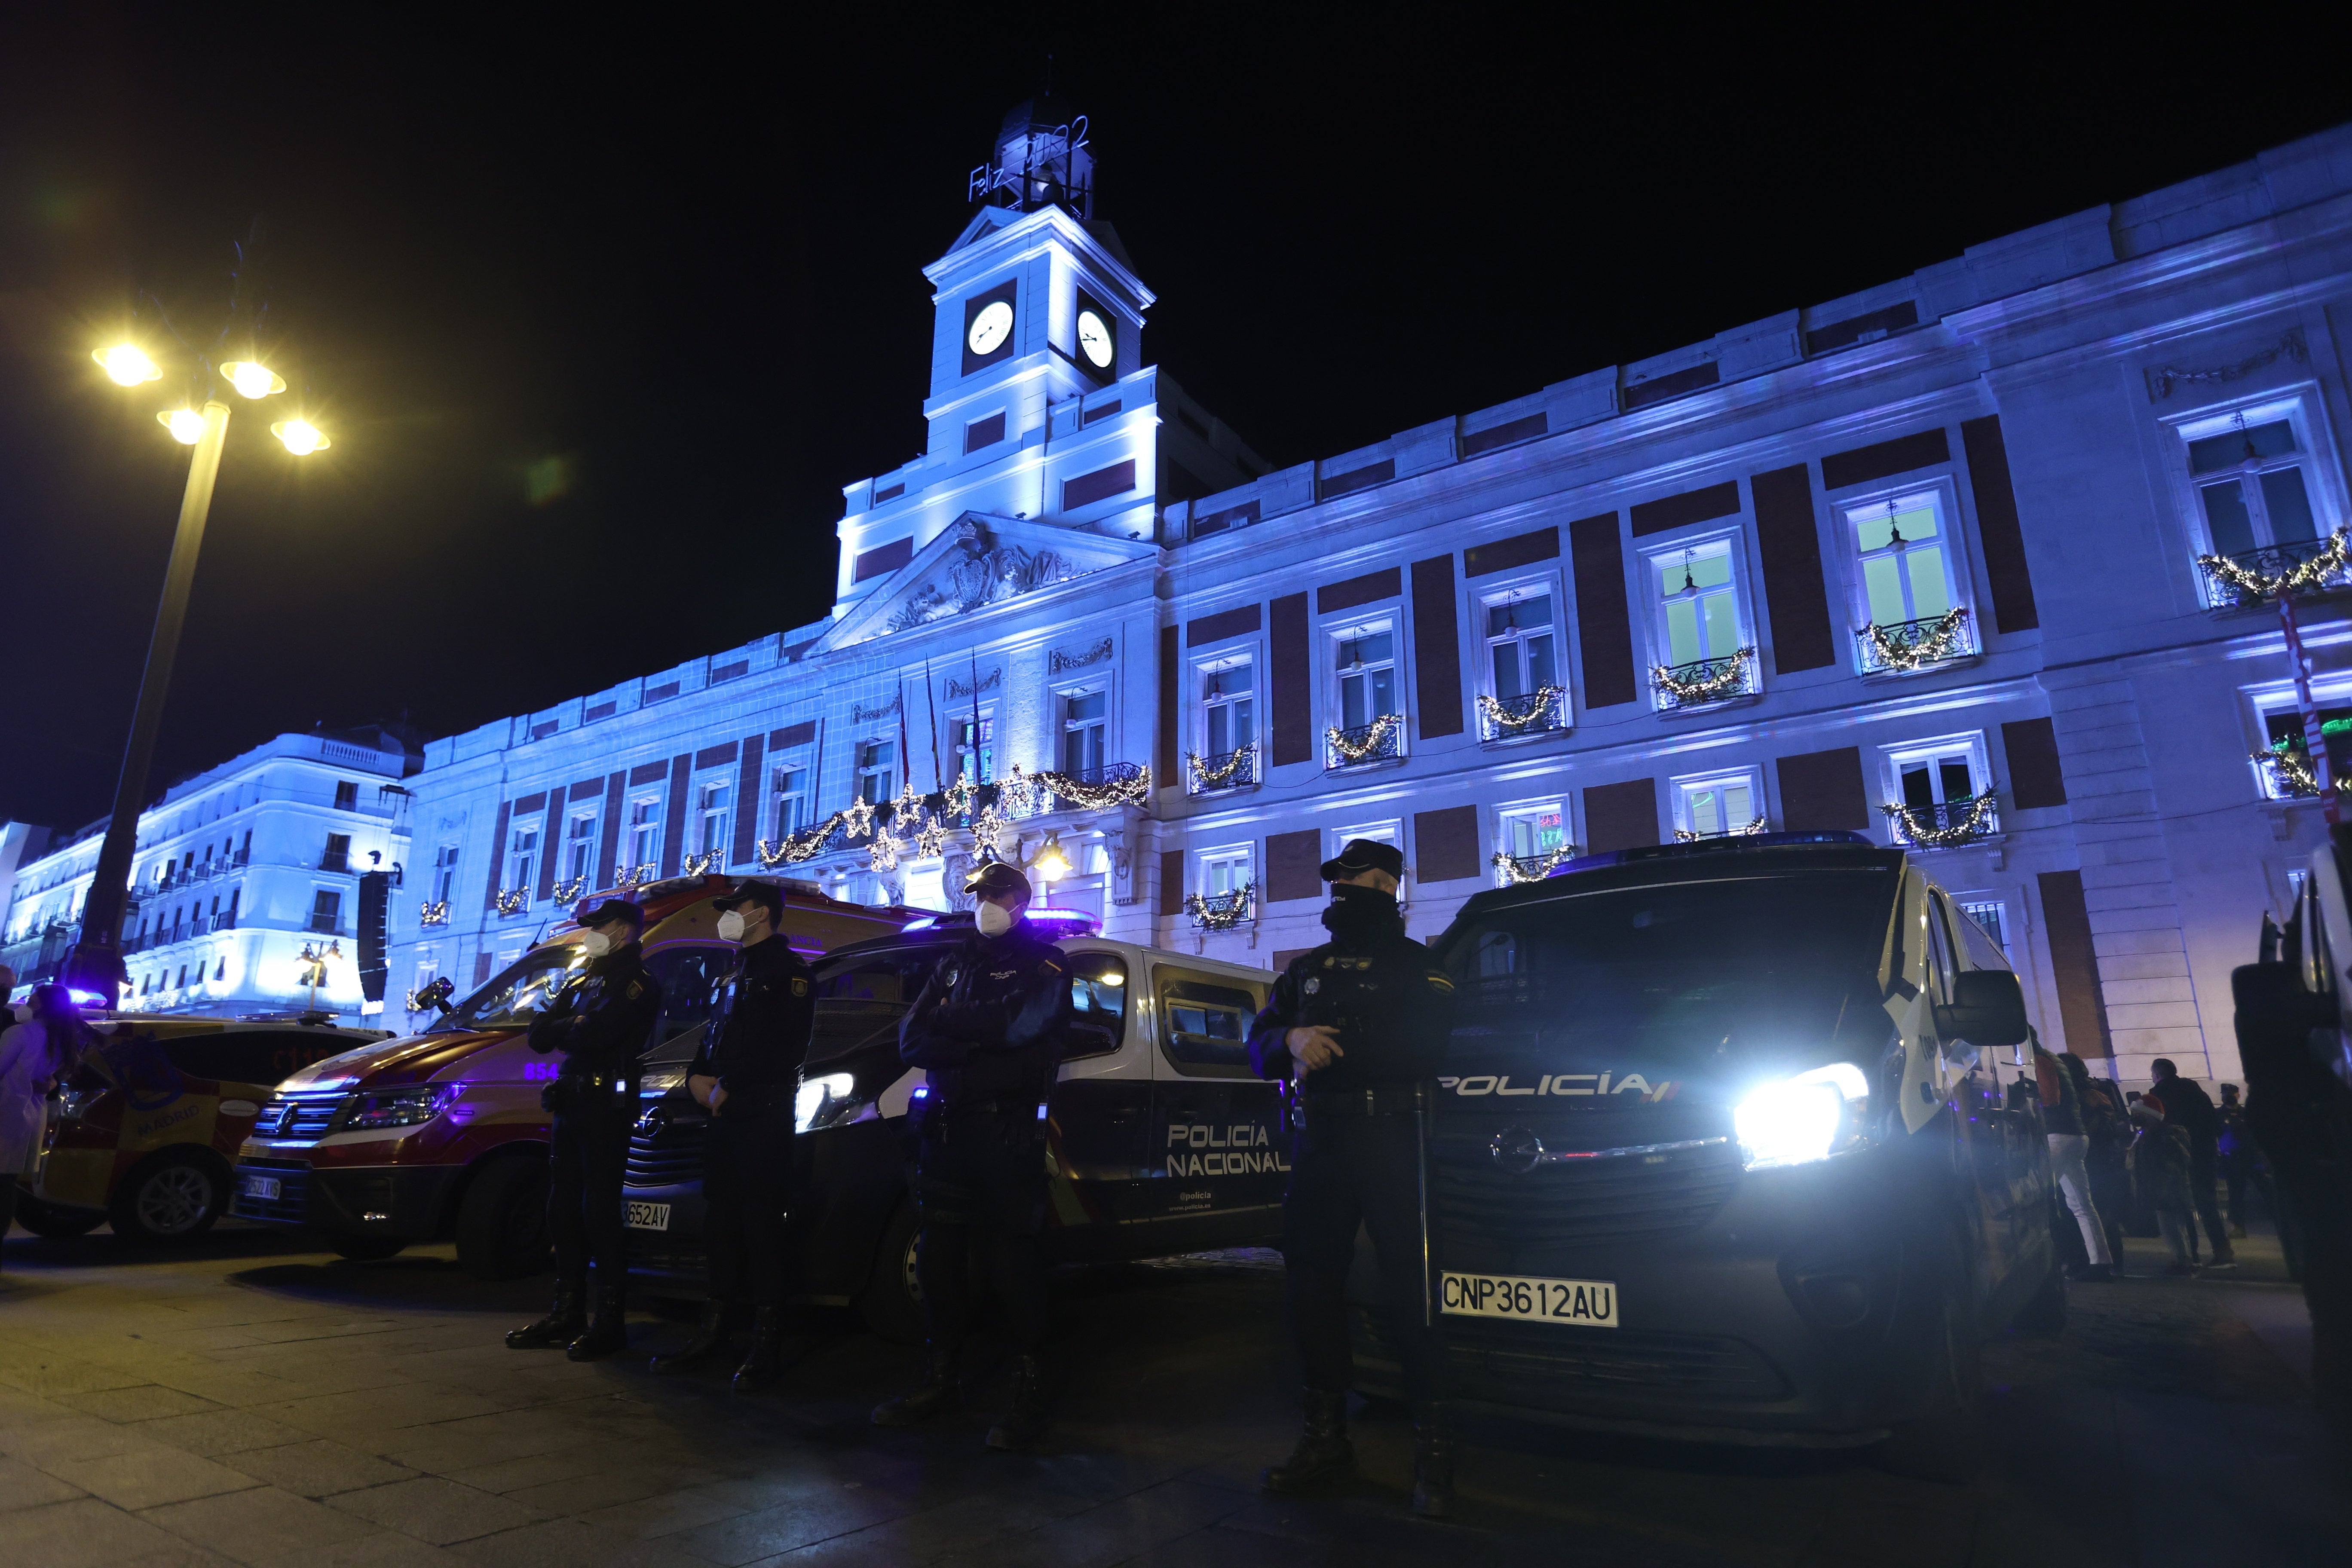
[[990, 328], [1094, 339]]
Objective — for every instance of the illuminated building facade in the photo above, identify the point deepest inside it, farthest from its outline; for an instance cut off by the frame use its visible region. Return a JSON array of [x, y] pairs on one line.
[[1921, 562], [241, 871]]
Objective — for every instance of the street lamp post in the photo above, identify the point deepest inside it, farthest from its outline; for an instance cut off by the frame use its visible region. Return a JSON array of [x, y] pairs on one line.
[[93, 966]]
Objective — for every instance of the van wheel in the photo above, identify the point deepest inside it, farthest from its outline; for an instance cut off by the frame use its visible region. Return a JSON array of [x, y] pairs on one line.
[[1946, 1444], [502, 1224], [2046, 1313], [892, 1304], [174, 1198], [366, 1248], [57, 1224]]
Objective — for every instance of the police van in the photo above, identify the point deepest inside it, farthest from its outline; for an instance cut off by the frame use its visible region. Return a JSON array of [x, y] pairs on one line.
[[1159, 1140], [1735, 1140]]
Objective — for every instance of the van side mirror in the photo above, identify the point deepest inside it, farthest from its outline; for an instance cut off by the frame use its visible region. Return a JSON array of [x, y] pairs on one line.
[[437, 995], [1988, 1008]]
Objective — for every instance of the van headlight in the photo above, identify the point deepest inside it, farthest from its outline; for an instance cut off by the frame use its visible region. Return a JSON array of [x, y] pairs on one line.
[[654, 1082], [826, 1101], [397, 1108], [1809, 1117]]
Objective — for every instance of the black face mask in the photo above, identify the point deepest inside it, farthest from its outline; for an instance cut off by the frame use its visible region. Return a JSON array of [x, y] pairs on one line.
[[1359, 914]]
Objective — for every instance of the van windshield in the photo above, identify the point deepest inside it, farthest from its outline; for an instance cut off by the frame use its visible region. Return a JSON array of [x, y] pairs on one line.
[[860, 999], [515, 996], [1680, 974]]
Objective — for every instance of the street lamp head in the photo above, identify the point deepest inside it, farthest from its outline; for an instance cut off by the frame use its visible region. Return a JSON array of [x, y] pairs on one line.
[[126, 364], [301, 436], [186, 425], [252, 380]]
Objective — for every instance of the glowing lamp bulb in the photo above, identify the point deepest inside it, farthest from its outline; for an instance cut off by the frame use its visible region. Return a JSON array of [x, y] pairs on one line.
[[301, 436], [186, 425], [1053, 865], [252, 380], [126, 365]]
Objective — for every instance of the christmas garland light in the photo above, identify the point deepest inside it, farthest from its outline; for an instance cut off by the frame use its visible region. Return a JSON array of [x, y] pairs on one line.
[[1133, 790], [1686, 835], [633, 876], [433, 914], [801, 846], [703, 865], [1939, 643], [1508, 864], [2290, 762], [1376, 734], [1207, 777], [1961, 832], [1728, 680], [513, 901], [1222, 912], [2337, 557], [1510, 723], [568, 892]]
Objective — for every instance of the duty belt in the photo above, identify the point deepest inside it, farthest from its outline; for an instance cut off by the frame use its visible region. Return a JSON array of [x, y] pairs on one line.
[[1391, 1101]]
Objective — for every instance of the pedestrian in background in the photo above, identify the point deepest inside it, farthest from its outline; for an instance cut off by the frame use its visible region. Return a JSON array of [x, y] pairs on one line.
[[2070, 1147], [2188, 1106], [2161, 1164], [599, 1022], [34, 1055], [2241, 1162], [746, 1074], [2105, 1122], [1357, 1024]]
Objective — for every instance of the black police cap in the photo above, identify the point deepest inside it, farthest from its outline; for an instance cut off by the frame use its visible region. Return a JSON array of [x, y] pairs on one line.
[[994, 877], [608, 911], [751, 890], [1364, 855]]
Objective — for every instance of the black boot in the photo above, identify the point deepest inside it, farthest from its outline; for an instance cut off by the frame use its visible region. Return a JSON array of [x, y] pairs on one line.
[[1433, 1447], [1324, 1459], [709, 1335], [608, 1329], [561, 1326], [1026, 1422], [935, 1396], [766, 1361]]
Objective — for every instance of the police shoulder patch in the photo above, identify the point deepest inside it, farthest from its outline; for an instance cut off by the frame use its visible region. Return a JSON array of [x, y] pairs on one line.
[[800, 987], [1439, 980], [636, 990]]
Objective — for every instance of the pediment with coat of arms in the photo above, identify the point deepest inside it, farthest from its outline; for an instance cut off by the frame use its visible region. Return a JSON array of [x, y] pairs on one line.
[[979, 561]]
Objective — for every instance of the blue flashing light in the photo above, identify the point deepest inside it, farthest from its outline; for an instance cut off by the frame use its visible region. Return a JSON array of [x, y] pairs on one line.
[[86, 998], [1733, 845], [925, 923], [1065, 922]]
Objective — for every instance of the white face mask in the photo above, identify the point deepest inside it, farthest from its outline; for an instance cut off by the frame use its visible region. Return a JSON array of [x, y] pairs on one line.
[[995, 920], [731, 926], [595, 944]]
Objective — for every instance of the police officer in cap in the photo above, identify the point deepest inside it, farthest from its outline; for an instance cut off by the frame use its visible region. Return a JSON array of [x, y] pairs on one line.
[[747, 1073], [1358, 1023], [987, 1030], [599, 1022]]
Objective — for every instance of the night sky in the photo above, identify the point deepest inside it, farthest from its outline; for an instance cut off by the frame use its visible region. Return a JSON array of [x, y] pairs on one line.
[[601, 315]]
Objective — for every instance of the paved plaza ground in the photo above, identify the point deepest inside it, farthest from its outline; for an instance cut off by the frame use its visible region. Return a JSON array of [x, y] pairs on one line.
[[251, 1401]]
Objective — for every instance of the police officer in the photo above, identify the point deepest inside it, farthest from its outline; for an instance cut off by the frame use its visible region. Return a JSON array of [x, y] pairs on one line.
[[987, 1030], [600, 1023], [1358, 1023], [747, 1073]]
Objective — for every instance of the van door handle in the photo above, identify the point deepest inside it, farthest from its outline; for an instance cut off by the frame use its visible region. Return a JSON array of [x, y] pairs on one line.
[[1124, 1114]]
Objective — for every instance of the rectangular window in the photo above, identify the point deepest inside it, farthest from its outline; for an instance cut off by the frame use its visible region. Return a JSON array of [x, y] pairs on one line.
[[1083, 719], [1520, 654], [794, 808], [712, 800], [1940, 792], [2286, 762], [1988, 917], [645, 833], [445, 872], [522, 855], [337, 856], [1535, 839], [1228, 711], [1365, 660], [878, 768], [2250, 482], [1225, 872], [580, 847], [325, 910], [974, 740], [347, 795], [1718, 805], [1903, 564], [1699, 604]]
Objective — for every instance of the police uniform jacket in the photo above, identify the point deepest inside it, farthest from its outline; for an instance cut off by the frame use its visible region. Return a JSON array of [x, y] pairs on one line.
[[1390, 1004], [990, 1023], [759, 1032], [601, 1020]]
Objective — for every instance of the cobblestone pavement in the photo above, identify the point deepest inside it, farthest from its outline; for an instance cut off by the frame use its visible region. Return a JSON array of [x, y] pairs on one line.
[[249, 1401]]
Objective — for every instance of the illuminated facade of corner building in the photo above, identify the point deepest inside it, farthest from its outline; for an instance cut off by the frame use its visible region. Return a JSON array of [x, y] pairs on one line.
[[1922, 562]]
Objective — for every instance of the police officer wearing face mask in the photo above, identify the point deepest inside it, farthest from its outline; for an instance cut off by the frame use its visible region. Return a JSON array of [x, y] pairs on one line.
[[988, 1031], [747, 1073], [599, 1022], [1357, 1024]]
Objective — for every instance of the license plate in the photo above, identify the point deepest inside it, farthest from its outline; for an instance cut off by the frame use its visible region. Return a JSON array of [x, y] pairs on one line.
[[1585, 1303], [649, 1217], [264, 1187]]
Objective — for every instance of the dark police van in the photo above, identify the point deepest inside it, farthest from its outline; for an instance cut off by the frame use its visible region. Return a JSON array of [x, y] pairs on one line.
[[1736, 1141], [1159, 1139]]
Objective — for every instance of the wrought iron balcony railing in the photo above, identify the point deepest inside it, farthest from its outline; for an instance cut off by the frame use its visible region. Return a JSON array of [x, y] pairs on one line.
[[2287, 774], [1965, 819], [1511, 869], [1095, 788], [1904, 647], [1381, 740], [1747, 829], [1536, 712], [1702, 682], [1222, 912], [2253, 577], [1225, 771]]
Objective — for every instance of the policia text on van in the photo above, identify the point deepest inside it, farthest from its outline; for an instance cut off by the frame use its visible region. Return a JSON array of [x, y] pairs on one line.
[[1733, 1140]]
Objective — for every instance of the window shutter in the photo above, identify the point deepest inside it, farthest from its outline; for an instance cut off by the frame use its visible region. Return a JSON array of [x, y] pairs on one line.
[[1788, 546], [1604, 622], [791, 735], [498, 856], [1445, 844], [608, 851], [1294, 866], [1369, 588], [1620, 815], [1997, 525], [1436, 649], [1691, 506], [1290, 683], [1171, 698], [2035, 778], [1921, 449], [1224, 624], [1171, 881], [1824, 789], [681, 768], [549, 843], [1520, 549], [2074, 964], [748, 802]]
